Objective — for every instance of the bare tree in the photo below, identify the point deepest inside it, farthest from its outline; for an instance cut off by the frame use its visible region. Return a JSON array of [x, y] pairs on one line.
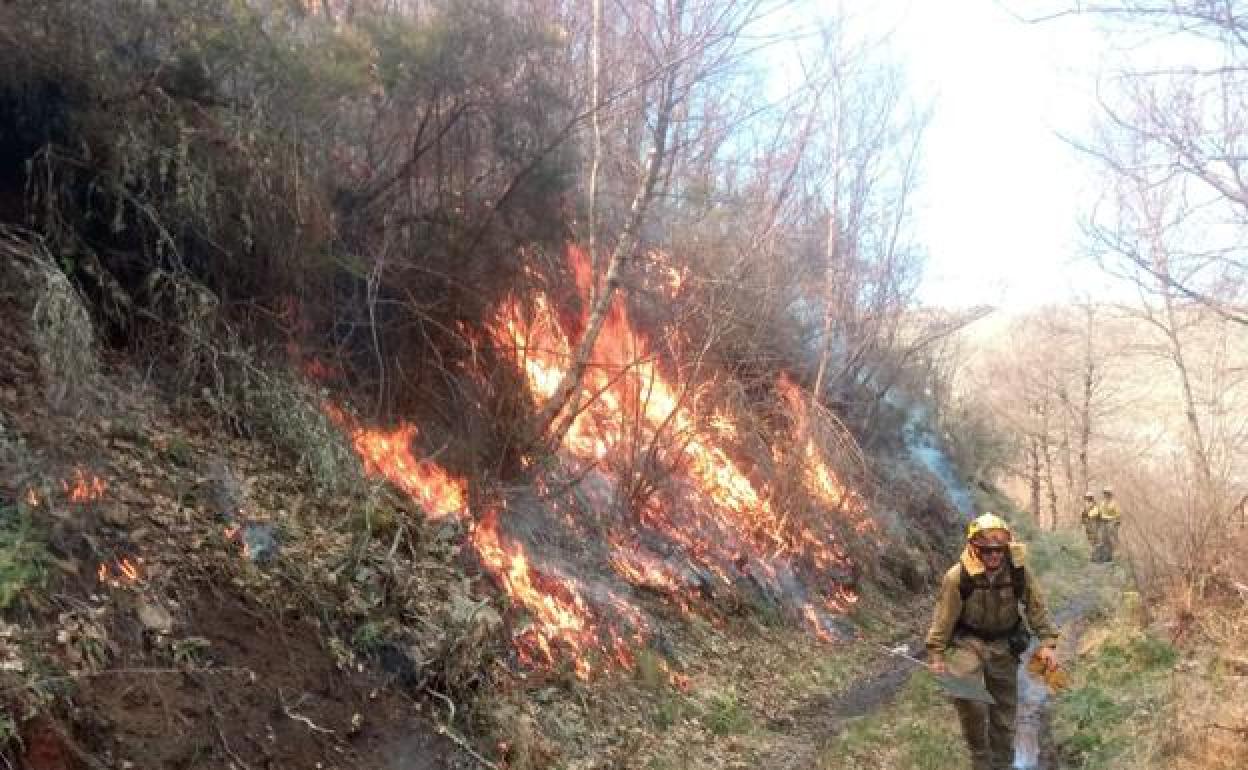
[[685, 44]]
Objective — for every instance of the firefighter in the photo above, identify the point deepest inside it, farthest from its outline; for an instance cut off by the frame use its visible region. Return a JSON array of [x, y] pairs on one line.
[[1089, 519], [978, 633], [1108, 520]]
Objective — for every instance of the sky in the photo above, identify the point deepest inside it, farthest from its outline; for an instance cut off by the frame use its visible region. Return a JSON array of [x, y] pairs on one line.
[[998, 205]]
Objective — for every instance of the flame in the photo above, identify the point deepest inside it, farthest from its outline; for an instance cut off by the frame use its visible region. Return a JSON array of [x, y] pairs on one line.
[[627, 401], [32, 497], [711, 513], [388, 454], [625, 380], [560, 614], [234, 533], [123, 570], [84, 488]]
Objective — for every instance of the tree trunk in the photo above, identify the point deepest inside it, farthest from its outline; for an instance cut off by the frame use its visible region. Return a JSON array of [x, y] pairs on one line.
[[1033, 462], [1195, 435], [559, 412], [1046, 453]]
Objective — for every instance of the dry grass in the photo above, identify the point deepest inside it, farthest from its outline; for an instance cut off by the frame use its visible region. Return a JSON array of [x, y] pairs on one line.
[[1141, 702], [60, 326]]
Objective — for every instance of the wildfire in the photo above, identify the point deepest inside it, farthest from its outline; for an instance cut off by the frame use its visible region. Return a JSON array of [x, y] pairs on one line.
[[84, 488], [628, 401], [560, 614], [120, 571], [709, 512], [388, 454]]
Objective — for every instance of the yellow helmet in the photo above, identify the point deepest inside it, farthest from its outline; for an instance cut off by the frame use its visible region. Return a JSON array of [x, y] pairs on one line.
[[986, 523]]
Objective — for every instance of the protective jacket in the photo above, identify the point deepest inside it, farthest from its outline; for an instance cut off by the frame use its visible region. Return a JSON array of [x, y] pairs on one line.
[[991, 609]]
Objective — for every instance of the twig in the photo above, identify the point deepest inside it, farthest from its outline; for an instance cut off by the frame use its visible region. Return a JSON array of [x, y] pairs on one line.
[[299, 717], [449, 733]]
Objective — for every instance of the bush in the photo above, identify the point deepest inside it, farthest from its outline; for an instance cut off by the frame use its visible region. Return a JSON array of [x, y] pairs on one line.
[[23, 555], [725, 715]]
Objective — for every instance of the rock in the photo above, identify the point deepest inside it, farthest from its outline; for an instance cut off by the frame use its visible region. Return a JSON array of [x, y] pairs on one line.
[[155, 618], [116, 515]]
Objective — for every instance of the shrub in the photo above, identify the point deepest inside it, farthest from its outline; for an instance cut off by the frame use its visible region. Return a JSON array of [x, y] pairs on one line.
[[23, 556]]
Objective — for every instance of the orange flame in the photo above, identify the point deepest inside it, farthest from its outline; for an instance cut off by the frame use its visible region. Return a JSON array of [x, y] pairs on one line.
[[626, 380], [84, 489], [388, 454], [234, 534], [32, 497], [123, 571], [560, 614], [729, 524]]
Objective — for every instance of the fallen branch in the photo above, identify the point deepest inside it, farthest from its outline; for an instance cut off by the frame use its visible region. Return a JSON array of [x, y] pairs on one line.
[[299, 717], [449, 733]]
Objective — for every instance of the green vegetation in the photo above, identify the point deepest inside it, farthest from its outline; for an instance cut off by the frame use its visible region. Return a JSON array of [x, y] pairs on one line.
[[1126, 677], [917, 731], [726, 715], [23, 556]]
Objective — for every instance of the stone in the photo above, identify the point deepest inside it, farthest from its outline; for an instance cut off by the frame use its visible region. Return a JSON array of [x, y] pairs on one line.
[[155, 618]]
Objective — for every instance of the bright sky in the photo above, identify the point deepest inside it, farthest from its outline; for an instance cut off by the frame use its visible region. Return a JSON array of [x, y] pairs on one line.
[[999, 201]]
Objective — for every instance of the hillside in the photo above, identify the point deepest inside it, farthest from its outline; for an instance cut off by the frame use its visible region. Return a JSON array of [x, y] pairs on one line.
[[519, 384], [329, 441]]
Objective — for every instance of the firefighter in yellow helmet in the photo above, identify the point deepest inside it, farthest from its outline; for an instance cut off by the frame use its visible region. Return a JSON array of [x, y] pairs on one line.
[[1089, 517], [978, 632], [1108, 520]]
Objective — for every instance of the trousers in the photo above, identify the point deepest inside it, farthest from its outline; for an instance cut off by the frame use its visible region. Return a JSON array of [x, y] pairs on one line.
[[988, 730]]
